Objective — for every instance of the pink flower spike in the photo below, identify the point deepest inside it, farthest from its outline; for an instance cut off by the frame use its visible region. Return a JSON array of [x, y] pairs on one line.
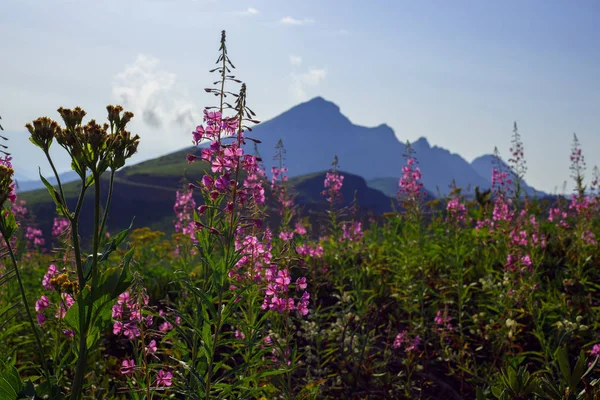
[[42, 303], [164, 378], [152, 348], [165, 327], [128, 367]]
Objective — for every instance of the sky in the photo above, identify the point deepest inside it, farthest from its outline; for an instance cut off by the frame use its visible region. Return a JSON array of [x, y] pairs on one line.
[[456, 72]]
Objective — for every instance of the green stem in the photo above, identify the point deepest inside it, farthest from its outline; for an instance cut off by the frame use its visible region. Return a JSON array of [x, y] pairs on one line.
[[84, 319], [60, 188], [214, 346], [108, 200], [27, 309]]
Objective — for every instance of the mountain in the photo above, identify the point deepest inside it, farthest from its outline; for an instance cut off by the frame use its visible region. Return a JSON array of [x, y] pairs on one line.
[[484, 165], [309, 188], [314, 131], [24, 184], [146, 191]]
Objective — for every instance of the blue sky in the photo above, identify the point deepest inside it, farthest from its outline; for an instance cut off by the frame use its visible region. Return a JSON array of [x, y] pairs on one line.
[[457, 72]]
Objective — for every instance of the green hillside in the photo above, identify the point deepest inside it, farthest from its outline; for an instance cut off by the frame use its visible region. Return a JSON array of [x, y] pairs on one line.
[[146, 191]]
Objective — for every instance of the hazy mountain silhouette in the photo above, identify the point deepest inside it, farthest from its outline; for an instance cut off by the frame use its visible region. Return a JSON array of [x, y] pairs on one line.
[[484, 165], [24, 184], [314, 131]]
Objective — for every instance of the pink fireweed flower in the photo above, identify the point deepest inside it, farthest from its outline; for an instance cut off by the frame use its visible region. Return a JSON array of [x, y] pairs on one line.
[[41, 318], [352, 232], [184, 210], [301, 283], [399, 340], [334, 183], [117, 311], [403, 340], [152, 348], [441, 320], [65, 305], [410, 187], [303, 303], [300, 229], [59, 226], [239, 335], [127, 367], [164, 378], [415, 344], [165, 327], [198, 134], [35, 236], [456, 209], [124, 298], [501, 183], [131, 330], [42, 303], [286, 236], [117, 327]]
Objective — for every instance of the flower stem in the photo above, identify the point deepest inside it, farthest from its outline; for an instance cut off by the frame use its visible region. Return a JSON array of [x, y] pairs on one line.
[[27, 309]]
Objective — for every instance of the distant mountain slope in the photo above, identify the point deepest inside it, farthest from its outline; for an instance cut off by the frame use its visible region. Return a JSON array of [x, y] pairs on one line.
[[146, 191], [484, 165], [314, 131], [24, 185], [309, 189]]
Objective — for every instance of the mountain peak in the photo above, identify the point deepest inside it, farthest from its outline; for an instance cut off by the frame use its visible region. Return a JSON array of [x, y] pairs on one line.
[[315, 110], [421, 144], [319, 103]]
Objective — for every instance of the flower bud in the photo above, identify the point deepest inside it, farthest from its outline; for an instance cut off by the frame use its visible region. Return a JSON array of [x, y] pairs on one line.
[[43, 131]]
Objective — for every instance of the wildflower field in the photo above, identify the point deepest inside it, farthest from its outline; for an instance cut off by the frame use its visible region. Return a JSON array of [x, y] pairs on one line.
[[491, 296]]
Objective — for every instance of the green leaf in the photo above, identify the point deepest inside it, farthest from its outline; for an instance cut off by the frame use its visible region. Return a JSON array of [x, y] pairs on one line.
[[497, 392], [562, 359], [89, 181], [116, 279], [207, 338], [106, 251], [578, 371], [8, 224], [58, 200], [10, 383], [72, 317]]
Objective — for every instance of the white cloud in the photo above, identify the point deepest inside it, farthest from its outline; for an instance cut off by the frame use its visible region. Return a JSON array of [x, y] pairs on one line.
[[156, 100], [342, 32], [293, 21], [302, 82], [295, 60], [249, 11]]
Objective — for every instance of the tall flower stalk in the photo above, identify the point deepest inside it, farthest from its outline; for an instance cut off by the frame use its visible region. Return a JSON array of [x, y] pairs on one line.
[[578, 167], [93, 149], [239, 264], [8, 226], [517, 163]]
